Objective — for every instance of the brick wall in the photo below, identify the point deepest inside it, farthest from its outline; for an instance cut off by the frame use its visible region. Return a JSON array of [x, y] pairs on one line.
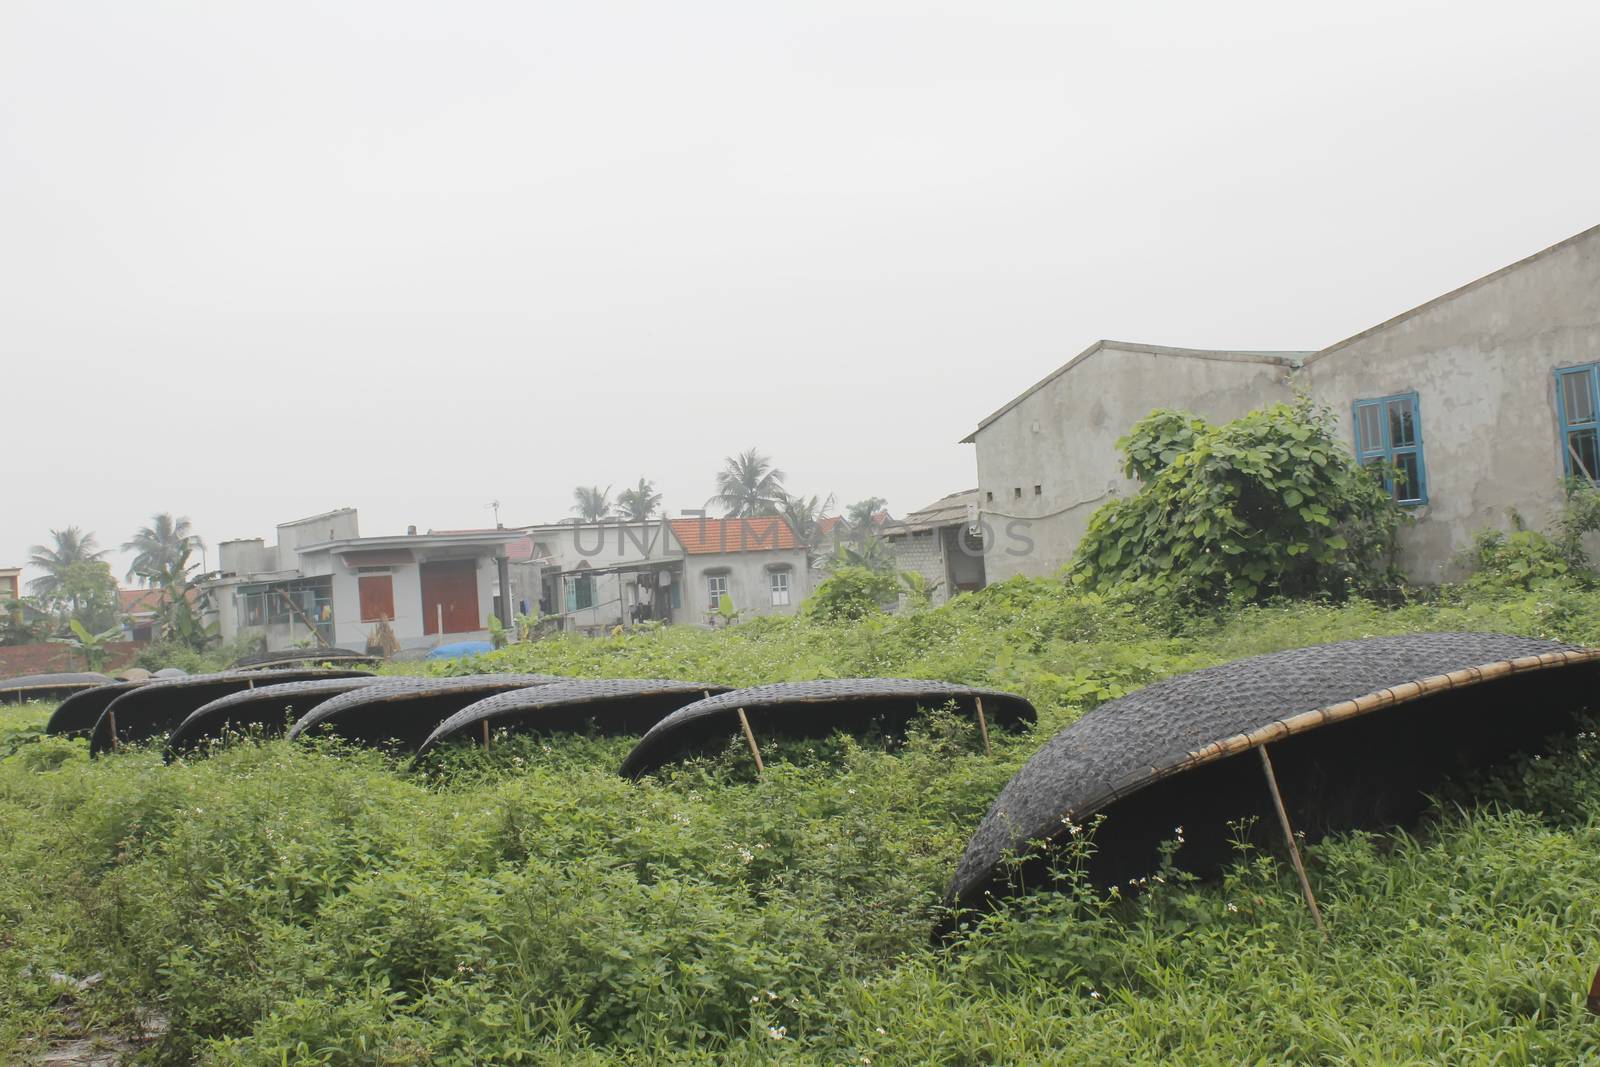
[[17, 660], [921, 552]]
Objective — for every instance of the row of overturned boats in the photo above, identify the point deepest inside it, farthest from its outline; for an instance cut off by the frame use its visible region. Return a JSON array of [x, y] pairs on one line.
[[1299, 743]]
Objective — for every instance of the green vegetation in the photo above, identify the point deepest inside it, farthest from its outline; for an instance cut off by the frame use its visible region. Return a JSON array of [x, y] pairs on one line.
[[639, 502], [748, 484], [162, 548], [92, 647], [1270, 504], [314, 905]]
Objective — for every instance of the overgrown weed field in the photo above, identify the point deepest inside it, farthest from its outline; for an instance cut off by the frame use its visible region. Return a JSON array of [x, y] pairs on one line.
[[314, 905]]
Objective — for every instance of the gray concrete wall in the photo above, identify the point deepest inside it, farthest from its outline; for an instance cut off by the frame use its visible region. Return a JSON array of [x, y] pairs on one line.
[[315, 529], [749, 586], [1482, 360], [1061, 437]]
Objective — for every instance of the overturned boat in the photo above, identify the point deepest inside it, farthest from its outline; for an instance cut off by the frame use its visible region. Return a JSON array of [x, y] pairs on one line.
[[814, 709], [1322, 739]]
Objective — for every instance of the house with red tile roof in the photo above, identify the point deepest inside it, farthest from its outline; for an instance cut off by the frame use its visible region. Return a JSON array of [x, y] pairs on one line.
[[595, 576], [756, 563], [138, 609]]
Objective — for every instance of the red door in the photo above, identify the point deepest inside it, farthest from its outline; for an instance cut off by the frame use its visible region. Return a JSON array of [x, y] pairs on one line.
[[450, 593]]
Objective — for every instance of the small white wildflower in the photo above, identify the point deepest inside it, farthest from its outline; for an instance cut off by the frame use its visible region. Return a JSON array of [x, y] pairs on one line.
[[1232, 906], [850, 792], [746, 855], [777, 1033], [755, 999], [1094, 994], [771, 995], [882, 1031]]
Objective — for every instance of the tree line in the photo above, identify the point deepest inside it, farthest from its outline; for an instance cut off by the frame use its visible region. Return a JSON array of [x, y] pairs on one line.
[[750, 485], [75, 599]]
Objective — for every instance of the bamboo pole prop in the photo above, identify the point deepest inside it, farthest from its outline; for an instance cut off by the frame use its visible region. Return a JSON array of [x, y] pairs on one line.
[[486, 735], [1288, 836], [749, 736], [111, 720], [983, 726]]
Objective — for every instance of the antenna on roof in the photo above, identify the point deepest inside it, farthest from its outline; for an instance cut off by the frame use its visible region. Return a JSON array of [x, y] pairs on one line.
[[495, 504]]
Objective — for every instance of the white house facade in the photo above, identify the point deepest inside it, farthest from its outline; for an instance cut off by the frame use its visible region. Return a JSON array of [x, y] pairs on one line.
[[323, 583]]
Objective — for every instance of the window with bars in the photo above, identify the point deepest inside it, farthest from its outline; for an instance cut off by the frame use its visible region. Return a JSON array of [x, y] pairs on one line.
[[1578, 402], [1389, 438], [716, 589]]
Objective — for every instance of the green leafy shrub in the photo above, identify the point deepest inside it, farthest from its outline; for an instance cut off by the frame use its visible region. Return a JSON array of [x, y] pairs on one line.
[[1270, 504], [1157, 440], [1579, 519], [1520, 559], [852, 592]]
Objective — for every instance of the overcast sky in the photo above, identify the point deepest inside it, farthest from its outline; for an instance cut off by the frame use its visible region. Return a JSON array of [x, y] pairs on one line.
[[262, 260]]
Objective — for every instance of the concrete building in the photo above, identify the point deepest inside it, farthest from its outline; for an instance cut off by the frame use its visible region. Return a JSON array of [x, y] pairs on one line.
[[1489, 391], [943, 542], [139, 609], [321, 582], [1487, 396], [11, 588], [1049, 458], [593, 576], [756, 562]]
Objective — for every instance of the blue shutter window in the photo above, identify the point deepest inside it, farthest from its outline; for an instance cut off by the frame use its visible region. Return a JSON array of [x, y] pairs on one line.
[[1578, 402], [1389, 438]]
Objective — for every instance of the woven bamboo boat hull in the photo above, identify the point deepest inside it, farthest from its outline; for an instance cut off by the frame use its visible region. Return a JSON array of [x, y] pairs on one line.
[[813, 709], [610, 705], [1359, 731], [265, 711], [48, 687], [400, 713], [152, 710]]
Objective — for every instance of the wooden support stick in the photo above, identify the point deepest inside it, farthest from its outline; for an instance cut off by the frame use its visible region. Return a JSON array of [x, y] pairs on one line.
[[486, 735], [983, 726], [1288, 836], [111, 720], [755, 749]]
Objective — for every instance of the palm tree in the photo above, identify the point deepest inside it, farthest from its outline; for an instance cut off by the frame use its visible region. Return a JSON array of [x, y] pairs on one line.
[[804, 514], [749, 484], [640, 502], [862, 516], [591, 503], [72, 545], [158, 546]]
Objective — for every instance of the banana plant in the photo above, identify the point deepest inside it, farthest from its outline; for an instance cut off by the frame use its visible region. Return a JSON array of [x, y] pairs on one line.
[[92, 646]]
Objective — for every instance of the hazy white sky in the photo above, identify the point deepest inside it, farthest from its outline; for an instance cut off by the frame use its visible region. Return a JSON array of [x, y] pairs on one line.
[[261, 260]]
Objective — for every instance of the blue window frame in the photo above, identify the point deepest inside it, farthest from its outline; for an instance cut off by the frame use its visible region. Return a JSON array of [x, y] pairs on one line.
[[1389, 437], [1578, 402]]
